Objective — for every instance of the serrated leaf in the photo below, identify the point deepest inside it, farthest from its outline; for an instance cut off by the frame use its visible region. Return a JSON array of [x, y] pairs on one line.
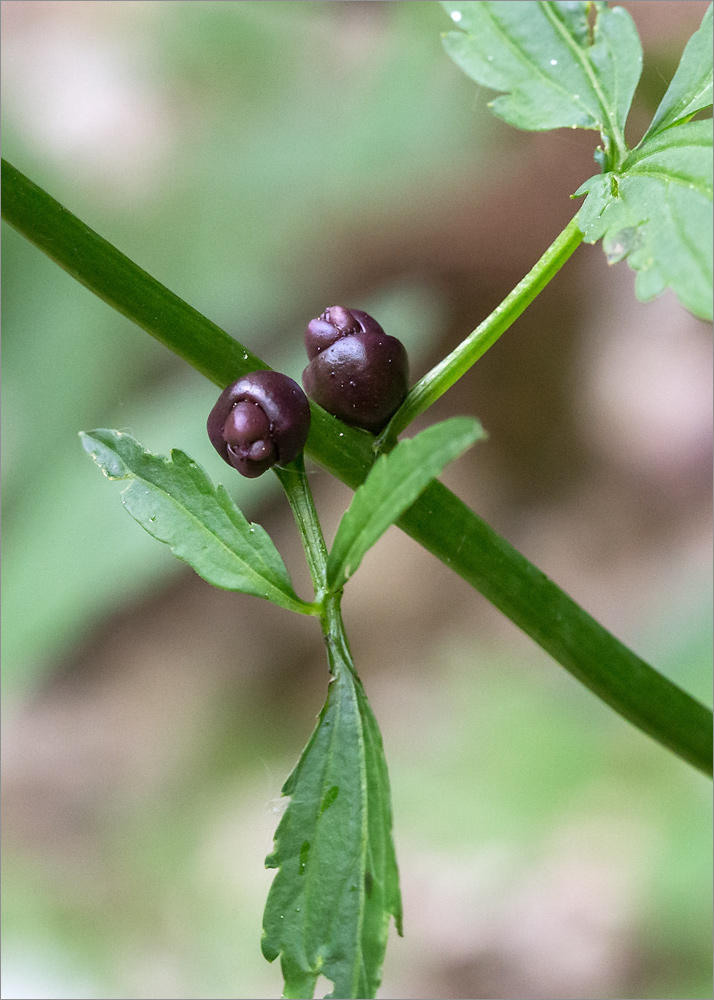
[[690, 89], [393, 484], [337, 885], [176, 502], [657, 213], [554, 74]]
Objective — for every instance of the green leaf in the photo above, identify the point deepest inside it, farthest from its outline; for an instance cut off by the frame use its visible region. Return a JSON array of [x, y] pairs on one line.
[[657, 212], [690, 89], [175, 501], [554, 72], [655, 209], [393, 484], [337, 884]]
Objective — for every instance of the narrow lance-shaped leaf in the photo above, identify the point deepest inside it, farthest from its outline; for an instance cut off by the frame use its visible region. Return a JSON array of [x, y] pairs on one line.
[[690, 89], [393, 484], [657, 213], [175, 501], [554, 71], [337, 885]]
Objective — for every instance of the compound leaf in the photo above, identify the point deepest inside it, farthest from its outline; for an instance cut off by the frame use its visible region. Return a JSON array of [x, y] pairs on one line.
[[337, 884], [393, 484], [651, 205], [690, 89], [176, 502], [554, 70], [657, 212], [655, 207]]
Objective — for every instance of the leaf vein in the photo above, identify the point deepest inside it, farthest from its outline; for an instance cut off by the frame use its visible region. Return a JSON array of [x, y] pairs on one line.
[[532, 66], [670, 177], [584, 61]]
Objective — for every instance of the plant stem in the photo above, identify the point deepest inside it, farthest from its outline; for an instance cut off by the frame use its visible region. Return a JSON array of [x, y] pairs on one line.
[[438, 520], [333, 630], [127, 288], [617, 675], [297, 489], [294, 481], [435, 383], [362, 866]]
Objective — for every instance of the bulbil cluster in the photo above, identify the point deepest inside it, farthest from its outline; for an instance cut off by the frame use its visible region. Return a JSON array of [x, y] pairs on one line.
[[356, 372], [259, 421]]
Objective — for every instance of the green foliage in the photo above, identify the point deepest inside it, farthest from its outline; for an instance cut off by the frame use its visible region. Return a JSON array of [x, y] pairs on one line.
[[438, 520], [690, 89], [337, 887], [337, 884], [175, 501], [652, 205], [225, 211], [655, 210], [657, 213], [556, 71], [393, 484]]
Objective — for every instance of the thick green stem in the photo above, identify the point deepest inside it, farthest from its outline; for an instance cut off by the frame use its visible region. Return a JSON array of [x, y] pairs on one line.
[[442, 523], [448, 371], [438, 520]]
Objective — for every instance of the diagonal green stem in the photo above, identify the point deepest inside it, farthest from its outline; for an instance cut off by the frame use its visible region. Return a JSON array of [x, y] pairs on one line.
[[438, 519], [449, 370], [442, 523]]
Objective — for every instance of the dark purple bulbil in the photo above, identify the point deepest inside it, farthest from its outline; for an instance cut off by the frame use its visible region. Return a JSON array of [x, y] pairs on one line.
[[259, 421], [356, 371]]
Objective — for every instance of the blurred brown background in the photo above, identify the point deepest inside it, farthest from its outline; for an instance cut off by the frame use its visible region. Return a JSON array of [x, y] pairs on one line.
[[266, 160]]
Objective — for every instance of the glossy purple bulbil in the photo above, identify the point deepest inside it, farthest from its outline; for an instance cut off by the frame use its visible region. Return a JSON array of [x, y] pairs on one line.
[[259, 421], [356, 372]]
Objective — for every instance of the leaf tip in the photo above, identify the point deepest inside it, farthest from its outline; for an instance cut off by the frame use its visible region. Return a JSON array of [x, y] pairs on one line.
[[97, 452]]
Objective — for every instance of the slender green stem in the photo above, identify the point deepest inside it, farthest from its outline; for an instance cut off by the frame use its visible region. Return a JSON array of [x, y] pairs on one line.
[[438, 520], [435, 383], [333, 630], [297, 489]]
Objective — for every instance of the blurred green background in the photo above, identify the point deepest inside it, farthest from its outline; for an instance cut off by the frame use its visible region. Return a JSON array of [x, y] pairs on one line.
[[266, 160]]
